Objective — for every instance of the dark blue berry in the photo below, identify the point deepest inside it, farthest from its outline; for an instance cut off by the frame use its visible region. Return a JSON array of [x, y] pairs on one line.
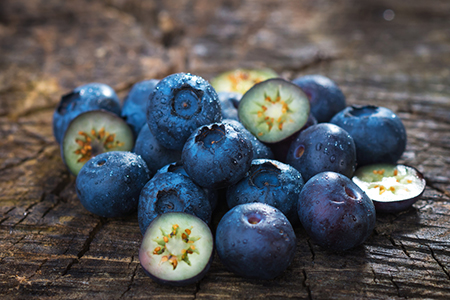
[[109, 184], [271, 182], [229, 102], [178, 105], [91, 96], [324, 95], [323, 147], [171, 192], [135, 104], [379, 134], [255, 240], [335, 212], [216, 155]]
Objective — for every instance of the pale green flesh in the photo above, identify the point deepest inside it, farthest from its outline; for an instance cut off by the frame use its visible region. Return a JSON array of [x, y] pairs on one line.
[[198, 260], [273, 121], [389, 186], [240, 80], [94, 120]]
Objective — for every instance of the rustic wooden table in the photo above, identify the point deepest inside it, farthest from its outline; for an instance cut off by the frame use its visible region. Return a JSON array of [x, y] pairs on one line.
[[391, 53]]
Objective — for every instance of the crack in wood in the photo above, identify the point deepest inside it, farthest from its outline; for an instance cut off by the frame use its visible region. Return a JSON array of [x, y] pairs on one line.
[[304, 283], [131, 279], [444, 269], [401, 246]]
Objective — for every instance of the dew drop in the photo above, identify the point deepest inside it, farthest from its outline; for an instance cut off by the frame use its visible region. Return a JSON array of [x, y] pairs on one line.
[[318, 146], [244, 241], [332, 158]]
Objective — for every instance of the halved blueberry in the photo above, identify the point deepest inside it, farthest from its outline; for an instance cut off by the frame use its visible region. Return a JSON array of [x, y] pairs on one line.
[[92, 133], [177, 249], [392, 188], [274, 110], [241, 80]]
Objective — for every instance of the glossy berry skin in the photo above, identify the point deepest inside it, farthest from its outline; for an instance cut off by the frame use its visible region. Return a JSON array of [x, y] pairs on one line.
[[271, 182], [109, 184], [177, 167], [379, 134], [171, 192], [229, 102], [323, 147], [91, 96], [216, 156], [255, 240], [260, 150], [155, 155], [134, 107], [178, 105], [335, 212], [325, 96]]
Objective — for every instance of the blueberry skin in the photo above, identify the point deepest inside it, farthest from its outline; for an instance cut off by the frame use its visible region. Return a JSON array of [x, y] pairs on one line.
[[216, 156], [91, 96], [177, 167], [109, 184], [325, 96], [255, 240], [323, 147], [335, 212], [178, 105], [260, 150], [379, 134], [229, 102], [168, 192], [271, 182], [135, 104], [155, 155]]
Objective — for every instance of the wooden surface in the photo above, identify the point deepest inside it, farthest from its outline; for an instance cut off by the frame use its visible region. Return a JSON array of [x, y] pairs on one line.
[[52, 248]]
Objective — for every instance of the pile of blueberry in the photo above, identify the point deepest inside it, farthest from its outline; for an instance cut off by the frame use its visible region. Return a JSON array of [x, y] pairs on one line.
[[279, 154]]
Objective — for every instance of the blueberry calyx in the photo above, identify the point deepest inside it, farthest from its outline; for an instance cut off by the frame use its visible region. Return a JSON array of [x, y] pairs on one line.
[[363, 110], [254, 218], [211, 135], [186, 101], [94, 143], [265, 175], [175, 246], [66, 100]]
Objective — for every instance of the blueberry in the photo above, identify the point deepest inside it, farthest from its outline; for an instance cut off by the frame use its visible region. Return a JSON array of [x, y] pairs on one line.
[[260, 150], [91, 96], [273, 110], [216, 155], [177, 167], [379, 134], [335, 212], [109, 184], [323, 147], [178, 105], [229, 102], [91, 133], [255, 240], [155, 155], [392, 188], [171, 192], [135, 104], [241, 80], [177, 249], [324, 95], [271, 182]]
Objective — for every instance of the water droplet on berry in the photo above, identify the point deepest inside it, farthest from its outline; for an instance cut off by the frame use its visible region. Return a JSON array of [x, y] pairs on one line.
[[318, 146], [332, 158]]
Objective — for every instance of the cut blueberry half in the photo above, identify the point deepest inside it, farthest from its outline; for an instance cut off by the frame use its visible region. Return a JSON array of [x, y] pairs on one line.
[[274, 110], [92, 133], [241, 80], [392, 188], [177, 249]]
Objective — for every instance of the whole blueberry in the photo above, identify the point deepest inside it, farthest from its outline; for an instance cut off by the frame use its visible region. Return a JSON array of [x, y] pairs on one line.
[[178, 105], [323, 147], [325, 96], [91, 96], [255, 240], [135, 104], [260, 150], [335, 212], [177, 167], [155, 155], [271, 182], [171, 192], [229, 102], [110, 183], [379, 134], [216, 155]]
